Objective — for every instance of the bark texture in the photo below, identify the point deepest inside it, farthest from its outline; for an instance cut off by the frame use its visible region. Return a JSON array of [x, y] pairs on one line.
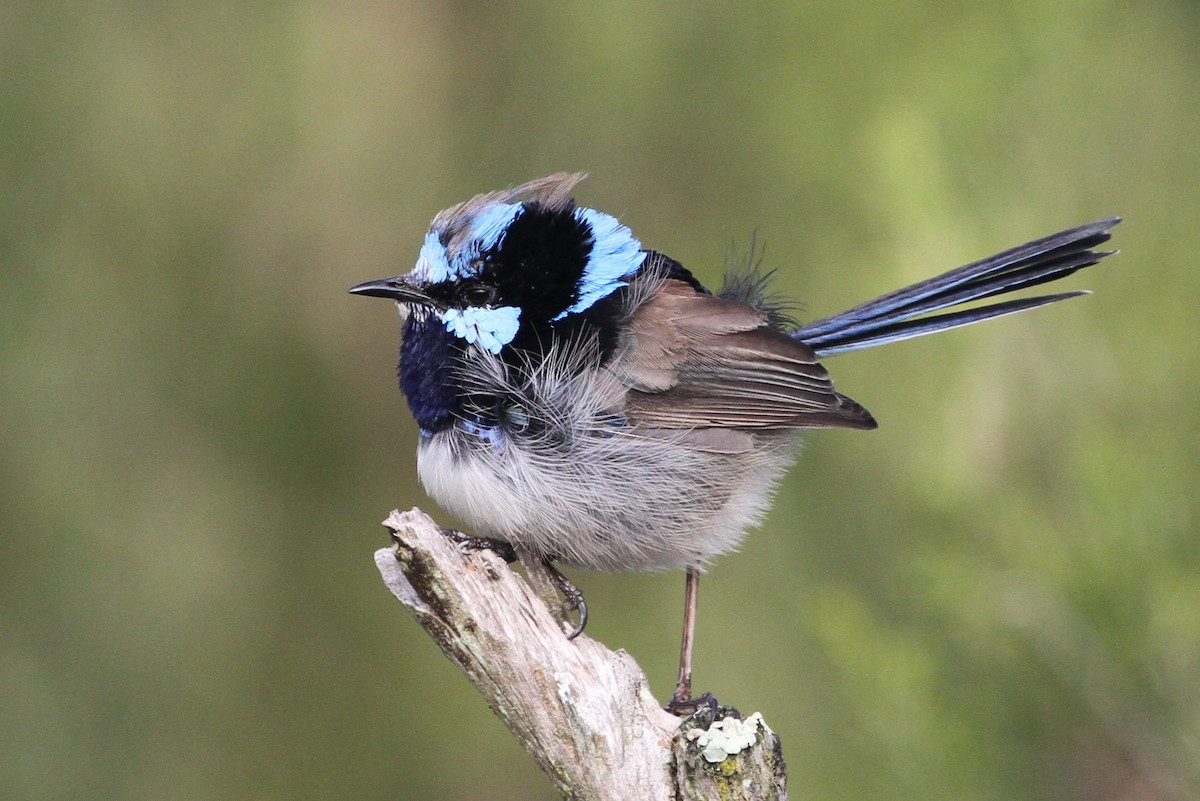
[[584, 712]]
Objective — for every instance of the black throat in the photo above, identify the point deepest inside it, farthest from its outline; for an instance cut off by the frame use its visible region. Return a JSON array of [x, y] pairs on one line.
[[428, 353]]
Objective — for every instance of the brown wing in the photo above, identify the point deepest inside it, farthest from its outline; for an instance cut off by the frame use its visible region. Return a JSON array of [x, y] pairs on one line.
[[697, 361]]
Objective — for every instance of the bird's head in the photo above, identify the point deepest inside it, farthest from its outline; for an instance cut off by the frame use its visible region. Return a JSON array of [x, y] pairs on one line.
[[505, 267]]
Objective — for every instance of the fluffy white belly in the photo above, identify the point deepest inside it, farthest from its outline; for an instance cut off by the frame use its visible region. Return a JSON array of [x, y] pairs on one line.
[[614, 502]]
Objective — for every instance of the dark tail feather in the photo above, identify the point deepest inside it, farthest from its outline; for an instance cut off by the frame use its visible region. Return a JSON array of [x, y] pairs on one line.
[[898, 315]]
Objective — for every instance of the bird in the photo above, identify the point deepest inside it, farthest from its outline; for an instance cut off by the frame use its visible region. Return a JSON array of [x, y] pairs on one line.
[[590, 401]]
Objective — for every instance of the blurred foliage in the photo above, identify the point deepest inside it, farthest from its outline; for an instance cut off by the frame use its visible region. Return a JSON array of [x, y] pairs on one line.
[[995, 596]]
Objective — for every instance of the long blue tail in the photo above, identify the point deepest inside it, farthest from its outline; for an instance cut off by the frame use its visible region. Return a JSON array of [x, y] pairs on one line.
[[898, 315]]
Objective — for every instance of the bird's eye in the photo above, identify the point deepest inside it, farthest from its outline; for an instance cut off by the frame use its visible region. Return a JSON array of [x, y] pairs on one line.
[[476, 294]]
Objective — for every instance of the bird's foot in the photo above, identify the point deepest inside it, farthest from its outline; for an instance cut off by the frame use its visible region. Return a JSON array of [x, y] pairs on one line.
[[572, 597], [683, 705], [470, 542]]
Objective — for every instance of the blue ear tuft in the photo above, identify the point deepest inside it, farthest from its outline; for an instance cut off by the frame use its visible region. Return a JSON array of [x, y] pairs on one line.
[[615, 255]]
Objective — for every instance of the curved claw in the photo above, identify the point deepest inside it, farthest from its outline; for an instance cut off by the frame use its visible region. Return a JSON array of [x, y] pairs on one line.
[[686, 707], [580, 606], [572, 597]]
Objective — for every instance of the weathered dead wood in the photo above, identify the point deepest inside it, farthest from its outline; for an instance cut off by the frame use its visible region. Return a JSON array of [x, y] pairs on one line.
[[584, 712]]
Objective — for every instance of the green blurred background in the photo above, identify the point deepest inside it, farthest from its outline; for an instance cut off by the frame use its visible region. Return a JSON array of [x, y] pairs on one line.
[[994, 596]]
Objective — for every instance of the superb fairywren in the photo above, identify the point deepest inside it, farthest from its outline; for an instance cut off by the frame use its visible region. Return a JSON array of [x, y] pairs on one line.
[[590, 401]]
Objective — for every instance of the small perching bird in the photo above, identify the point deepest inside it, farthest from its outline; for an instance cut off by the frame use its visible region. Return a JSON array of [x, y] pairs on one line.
[[590, 401]]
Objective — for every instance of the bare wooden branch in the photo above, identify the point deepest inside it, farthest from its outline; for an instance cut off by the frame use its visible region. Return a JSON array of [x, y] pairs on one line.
[[584, 712]]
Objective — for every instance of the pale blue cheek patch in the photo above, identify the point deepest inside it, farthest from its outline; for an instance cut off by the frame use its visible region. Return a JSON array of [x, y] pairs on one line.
[[615, 255], [490, 329]]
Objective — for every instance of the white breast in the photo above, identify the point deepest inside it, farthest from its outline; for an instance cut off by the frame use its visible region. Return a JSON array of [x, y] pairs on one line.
[[607, 501]]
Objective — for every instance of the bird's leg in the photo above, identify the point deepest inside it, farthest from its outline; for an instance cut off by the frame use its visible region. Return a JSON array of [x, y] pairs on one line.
[[683, 688], [572, 596], [681, 702], [472, 543]]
